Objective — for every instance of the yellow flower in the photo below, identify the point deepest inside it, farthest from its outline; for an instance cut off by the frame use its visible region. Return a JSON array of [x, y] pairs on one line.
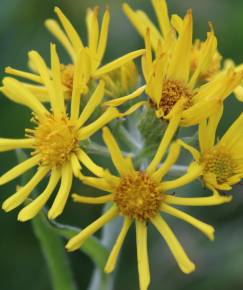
[[170, 87], [167, 31], [222, 160], [55, 139], [141, 196], [88, 58], [121, 81]]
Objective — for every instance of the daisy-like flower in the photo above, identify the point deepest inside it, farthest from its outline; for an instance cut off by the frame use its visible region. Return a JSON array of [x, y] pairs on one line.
[[91, 55], [55, 139], [169, 84], [141, 196], [221, 161], [167, 32]]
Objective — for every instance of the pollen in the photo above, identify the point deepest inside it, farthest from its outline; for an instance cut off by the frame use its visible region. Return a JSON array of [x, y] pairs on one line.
[[67, 73], [172, 92], [219, 162], [56, 138], [137, 196]]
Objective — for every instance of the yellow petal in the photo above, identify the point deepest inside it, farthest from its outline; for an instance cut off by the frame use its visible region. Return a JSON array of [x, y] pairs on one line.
[[170, 160], [32, 209], [195, 153], [77, 241], [99, 183], [142, 255], [25, 75], [168, 136], [21, 195], [116, 154], [92, 200], [118, 62], [103, 35], [56, 30], [93, 102], [88, 162], [194, 171], [201, 226], [76, 166], [109, 115], [178, 252], [63, 192], [19, 169], [17, 92], [70, 31], [111, 262], [11, 144], [197, 201], [161, 10], [181, 58]]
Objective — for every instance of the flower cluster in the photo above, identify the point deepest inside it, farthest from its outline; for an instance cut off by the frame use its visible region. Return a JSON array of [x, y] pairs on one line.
[[184, 83]]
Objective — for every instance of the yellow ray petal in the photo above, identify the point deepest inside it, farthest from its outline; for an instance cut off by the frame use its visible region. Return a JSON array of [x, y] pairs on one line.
[[232, 134], [195, 153], [198, 201], [161, 10], [63, 192], [57, 82], [194, 171], [76, 166], [44, 72], [20, 94], [111, 262], [32, 209], [21, 195], [93, 29], [70, 30], [88, 162], [56, 30], [116, 154], [169, 134], [103, 35], [109, 115], [19, 169], [80, 79], [181, 58], [39, 91], [99, 183], [11, 144], [122, 100], [92, 200], [170, 160], [142, 255], [77, 241], [92, 104], [25, 75], [178, 252], [118, 62], [201, 226]]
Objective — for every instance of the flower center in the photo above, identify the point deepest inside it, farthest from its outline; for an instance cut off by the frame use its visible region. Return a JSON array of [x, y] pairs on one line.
[[137, 196], [67, 73], [172, 92], [219, 162], [56, 138]]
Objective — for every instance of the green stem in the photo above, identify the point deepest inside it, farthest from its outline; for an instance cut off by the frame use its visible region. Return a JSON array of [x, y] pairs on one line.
[[54, 252]]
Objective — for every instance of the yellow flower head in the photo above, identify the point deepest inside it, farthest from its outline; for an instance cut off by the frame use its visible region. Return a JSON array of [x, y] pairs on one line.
[[87, 58], [55, 138], [221, 161], [172, 88], [167, 30], [141, 196]]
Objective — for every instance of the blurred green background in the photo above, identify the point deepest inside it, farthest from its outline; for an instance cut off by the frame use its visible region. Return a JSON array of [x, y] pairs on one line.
[[22, 266]]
